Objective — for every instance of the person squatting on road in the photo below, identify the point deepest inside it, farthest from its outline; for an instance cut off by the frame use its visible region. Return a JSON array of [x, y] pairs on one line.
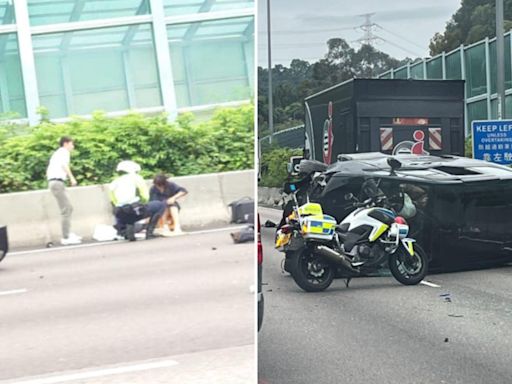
[[168, 192], [128, 193], [57, 173]]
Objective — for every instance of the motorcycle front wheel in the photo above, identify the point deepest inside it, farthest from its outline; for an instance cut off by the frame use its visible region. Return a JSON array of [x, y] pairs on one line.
[[310, 272], [407, 269]]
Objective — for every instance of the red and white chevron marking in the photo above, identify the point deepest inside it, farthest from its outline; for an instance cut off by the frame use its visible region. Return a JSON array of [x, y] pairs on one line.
[[435, 140], [386, 139]]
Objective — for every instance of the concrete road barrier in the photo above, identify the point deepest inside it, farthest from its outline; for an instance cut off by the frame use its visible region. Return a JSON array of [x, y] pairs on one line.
[[33, 218], [271, 197]]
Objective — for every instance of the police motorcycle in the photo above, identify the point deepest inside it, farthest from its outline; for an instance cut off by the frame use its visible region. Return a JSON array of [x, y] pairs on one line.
[[319, 249]]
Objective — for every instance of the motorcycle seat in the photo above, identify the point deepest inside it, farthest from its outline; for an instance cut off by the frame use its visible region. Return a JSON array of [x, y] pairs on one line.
[[342, 228], [343, 236]]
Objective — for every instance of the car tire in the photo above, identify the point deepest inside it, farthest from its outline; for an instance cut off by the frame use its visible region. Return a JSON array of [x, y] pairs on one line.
[[261, 306]]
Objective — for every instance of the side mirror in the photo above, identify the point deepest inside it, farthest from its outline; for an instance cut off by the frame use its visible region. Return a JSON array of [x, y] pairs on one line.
[[293, 167], [394, 164]]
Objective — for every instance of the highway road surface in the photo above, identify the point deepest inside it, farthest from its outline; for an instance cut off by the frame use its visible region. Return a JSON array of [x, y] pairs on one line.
[[169, 310], [454, 328]]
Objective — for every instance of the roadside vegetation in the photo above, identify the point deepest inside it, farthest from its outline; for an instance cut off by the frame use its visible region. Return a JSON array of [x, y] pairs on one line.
[[185, 147], [273, 170]]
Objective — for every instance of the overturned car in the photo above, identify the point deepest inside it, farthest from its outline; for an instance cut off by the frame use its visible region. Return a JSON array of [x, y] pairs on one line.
[[458, 209]]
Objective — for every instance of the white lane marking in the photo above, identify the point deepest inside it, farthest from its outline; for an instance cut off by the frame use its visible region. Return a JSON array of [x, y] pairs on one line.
[[429, 284], [83, 375], [12, 292], [214, 230], [67, 248]]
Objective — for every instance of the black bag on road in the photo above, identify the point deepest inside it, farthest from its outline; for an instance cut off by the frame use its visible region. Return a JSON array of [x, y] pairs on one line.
[[242, 210]]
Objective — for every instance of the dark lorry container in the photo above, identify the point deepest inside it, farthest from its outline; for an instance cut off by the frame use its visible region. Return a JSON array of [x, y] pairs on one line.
[[385, 115]]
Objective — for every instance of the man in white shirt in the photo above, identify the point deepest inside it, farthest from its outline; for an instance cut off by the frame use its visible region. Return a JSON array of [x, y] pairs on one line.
[[57, 173]]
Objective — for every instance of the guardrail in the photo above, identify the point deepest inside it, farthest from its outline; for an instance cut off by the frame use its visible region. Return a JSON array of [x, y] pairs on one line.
[[33, 218]]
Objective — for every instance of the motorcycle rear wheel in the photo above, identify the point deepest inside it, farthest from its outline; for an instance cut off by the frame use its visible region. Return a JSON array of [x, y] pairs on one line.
[[407, 269], [310, 272]]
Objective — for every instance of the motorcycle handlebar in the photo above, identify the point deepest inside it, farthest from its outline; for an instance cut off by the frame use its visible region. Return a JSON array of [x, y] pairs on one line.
[[369, 202]]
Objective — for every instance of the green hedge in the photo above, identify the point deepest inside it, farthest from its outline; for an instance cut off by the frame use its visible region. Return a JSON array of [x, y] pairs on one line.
[[185, 147]]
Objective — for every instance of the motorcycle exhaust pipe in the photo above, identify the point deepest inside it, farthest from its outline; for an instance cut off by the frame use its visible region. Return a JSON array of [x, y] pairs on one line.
[[334, 257]]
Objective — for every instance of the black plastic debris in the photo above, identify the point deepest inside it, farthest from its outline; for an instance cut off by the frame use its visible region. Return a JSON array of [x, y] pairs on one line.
[[447, 297], [269, 224]]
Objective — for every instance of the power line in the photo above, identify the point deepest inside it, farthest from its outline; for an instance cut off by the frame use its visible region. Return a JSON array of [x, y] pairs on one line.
[[400, 37], [291, 45], [400, 47], [369, 37], [287, 32]]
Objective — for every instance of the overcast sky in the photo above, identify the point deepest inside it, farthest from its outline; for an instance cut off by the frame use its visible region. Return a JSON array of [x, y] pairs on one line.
[[300, 28]]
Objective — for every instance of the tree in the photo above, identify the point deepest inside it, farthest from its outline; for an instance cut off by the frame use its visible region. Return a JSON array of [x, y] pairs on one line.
[[369, 62], [473, 21], [301, 79]]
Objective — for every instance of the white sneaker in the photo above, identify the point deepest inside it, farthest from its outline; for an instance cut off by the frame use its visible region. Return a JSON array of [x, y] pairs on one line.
[[74, 236], [163, 232], [160, 231], [70, 241]]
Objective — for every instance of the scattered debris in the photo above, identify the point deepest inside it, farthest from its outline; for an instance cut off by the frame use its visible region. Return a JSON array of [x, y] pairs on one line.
[[447, 297], [245, 235], [445, 339], [452, 315], [214, 248]]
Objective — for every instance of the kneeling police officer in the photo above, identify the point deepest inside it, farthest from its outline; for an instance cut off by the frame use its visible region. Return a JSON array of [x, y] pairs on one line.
[[129, 194]]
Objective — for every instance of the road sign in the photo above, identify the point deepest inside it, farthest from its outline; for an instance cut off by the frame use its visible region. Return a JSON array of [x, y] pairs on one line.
[[492, 141]]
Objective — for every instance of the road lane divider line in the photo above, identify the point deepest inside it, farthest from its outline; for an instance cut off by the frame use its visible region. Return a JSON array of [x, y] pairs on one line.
[[96, 373], [429, 284], [100, 243], [205, 231], [13, 292]]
